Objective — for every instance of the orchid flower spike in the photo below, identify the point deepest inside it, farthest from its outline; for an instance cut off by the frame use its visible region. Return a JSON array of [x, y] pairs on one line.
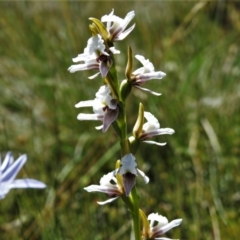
[[145, 73], [129, 172], [114, 190], [9, 170], [117, 30], [105, 108], [94, 57]]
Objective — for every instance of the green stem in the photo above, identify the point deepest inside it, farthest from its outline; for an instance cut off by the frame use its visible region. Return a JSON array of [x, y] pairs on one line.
[[120, 126], [135, 213], [132, 205]]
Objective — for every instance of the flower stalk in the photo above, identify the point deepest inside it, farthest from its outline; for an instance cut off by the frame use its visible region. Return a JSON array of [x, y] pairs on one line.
[[135, 214], [110, 107]]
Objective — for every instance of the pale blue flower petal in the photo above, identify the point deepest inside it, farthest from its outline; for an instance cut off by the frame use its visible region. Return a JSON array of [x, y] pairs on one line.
[[13, 170], [8, 160], [27, 183]]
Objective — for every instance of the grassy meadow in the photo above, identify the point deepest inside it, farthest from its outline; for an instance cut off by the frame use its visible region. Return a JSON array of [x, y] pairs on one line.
[[194, 177]]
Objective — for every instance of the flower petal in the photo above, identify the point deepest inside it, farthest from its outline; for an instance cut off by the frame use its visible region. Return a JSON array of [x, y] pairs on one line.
[[116, 30], [162, 131], [110, 189], [142, 78], [108, 201], [8, 160], [154, 132], [147, 65], [127, 19], [159, 231], [4, 189], [84, 66], [129, 181], [128, 165], [147, 90], [99, 127], [27, 183], [86, 116], [125, 33], [109, 117], [107, 178], [104, 67], [145, 178], [88, 103], [8, 172], [12, 171], [114, 50], [155, 217], [152, 123], [155, 143], [82, 57], [94, 76]]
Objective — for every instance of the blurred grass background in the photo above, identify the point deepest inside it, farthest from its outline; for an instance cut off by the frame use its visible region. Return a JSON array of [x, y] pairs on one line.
[[194, 177]]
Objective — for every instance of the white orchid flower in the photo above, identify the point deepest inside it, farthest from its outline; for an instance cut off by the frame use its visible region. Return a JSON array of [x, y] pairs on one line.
[[145, 73], [94, 57], [116, 26], [114, 189], [162, 226], [152, 128], [129, 171], [8, 172], [104, 107]]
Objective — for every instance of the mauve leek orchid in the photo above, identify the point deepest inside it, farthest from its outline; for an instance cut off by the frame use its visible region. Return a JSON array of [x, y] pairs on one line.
[[117, 30], [145, 73], [110, 185], [129, 171], [104, 107], [155, 231], [94, 57], [152, 128], [119, 181]]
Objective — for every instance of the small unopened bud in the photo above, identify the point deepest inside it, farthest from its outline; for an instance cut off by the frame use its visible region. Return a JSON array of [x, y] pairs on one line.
[[97, 27], [137, 129], [128, 71]]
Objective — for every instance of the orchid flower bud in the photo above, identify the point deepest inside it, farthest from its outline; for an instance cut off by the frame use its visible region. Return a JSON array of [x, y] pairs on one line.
[[137, 129], [126, 85], [97, 27], [128, 71]]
